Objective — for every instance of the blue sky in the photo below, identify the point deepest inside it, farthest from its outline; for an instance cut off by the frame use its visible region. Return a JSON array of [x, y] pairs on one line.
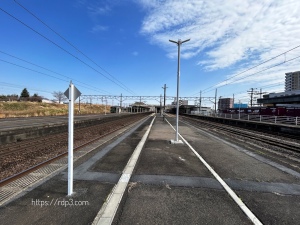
[[126, 48]]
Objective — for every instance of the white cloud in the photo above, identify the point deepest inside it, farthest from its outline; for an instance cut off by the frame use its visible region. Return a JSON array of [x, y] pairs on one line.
[[224, 32], [229, 36], [100, 8], [98, 28], [146, 4]]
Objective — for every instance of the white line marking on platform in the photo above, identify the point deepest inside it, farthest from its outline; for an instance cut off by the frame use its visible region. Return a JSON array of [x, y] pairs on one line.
[[107, 212], [232, 194]]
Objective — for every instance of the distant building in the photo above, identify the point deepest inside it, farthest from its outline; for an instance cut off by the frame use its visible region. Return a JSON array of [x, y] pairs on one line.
[[292, 81], [225, 103], [181, 102], [192, 109], [45, 100], [115, 109], [206, 111]]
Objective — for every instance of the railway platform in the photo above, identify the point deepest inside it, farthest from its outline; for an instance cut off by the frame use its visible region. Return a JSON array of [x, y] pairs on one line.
[[168, 184], [19, 129], [288, 125]]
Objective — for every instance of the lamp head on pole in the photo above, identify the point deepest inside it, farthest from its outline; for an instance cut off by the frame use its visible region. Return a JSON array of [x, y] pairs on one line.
[[185, 40], [174, 42], [179, 42]]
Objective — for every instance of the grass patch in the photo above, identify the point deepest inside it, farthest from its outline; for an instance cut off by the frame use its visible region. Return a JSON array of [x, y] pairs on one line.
[[29, 109]]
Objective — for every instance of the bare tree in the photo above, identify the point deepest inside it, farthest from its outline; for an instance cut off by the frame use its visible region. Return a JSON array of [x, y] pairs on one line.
[[59, 96]]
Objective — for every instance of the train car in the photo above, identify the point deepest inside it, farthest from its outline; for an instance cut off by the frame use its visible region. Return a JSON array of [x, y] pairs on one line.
[[266, 111], [280, 111], [292, 111], [113, 109], [297, 112], [272, 111], [224, 111]]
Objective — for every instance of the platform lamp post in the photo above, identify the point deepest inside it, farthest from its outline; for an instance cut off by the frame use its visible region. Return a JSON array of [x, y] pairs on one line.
[[179, 42]]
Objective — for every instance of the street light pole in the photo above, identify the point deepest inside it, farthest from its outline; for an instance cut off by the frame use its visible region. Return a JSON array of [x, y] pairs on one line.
[[179, 42]]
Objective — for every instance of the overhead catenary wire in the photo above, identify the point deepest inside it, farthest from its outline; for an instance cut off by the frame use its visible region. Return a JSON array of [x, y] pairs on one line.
[[267, 86], [15, 86], [35, 71], [257, 66], [72, 45], [216, 85], [263, 70], [256, 73], [60, 47], [69, 78]]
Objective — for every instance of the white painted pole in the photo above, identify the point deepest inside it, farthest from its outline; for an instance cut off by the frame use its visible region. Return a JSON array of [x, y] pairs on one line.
[[178, 84], [70, 141], [179, 42]]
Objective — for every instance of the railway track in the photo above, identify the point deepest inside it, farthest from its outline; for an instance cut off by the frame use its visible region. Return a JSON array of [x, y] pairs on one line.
[[55, 139], [288, 143], [17, 159]]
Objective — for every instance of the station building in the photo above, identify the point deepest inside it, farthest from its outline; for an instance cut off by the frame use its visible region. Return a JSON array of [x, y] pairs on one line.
[[289, 98], [192, 109], [283, 98]]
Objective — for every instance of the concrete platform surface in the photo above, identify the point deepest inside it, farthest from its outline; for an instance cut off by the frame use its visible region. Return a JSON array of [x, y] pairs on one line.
[[169, 184]]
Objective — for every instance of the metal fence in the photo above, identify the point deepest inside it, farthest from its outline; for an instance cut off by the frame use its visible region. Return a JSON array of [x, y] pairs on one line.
[[289, 120]]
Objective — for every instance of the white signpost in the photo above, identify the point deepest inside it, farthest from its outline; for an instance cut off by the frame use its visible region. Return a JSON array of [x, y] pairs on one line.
[[72, 94]]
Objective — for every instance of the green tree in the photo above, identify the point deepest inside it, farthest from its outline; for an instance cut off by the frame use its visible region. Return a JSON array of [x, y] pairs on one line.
[[24, 93], [35, 98]]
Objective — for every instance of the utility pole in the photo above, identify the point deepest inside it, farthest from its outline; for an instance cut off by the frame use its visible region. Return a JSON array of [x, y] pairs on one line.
[[251, 92], [260, 94], [79, 104], [239, 109], [140, 103], [200, 102], [121, 103], [165, 88], [251, 100], [216, 101], [160, 106], [105, 106]]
